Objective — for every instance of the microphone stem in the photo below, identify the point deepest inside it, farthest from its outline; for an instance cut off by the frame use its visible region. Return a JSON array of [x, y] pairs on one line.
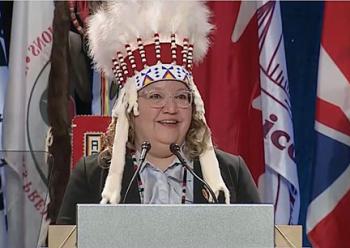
[[175, 149], [146, 146], [211, 192]]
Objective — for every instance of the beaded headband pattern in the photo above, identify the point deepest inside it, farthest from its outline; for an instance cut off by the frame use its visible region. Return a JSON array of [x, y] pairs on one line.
[[162, 72], [152, 55]]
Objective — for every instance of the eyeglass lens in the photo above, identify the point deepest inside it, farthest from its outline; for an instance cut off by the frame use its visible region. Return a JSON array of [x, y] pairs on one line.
[[158, 99]]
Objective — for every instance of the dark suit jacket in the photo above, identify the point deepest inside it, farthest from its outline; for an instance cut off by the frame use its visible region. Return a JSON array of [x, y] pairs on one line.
[[87, 180]]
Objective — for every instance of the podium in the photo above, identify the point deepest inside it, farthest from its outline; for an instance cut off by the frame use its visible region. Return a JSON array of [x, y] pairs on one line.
[[174, 226], [64, 236]]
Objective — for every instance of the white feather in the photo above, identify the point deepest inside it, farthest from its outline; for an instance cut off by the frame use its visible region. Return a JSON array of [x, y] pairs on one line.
[[208, 160], [122, 22], [112, 188], [198, 102], [211, 173], [131, 90]]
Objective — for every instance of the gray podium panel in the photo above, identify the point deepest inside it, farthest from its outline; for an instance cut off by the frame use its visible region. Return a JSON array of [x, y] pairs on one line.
[[107, 226]]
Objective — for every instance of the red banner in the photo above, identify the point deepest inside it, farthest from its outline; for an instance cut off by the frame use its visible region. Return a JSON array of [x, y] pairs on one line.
[[229, 82]]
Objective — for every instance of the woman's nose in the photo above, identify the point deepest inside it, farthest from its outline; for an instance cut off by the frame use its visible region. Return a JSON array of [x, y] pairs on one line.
[[170, 105]]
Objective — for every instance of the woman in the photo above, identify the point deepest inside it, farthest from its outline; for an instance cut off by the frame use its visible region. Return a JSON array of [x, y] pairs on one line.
[[151, 54]]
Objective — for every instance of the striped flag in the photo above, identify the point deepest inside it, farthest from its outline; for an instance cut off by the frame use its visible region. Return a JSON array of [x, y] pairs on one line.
[[104, 94], [24, 124], [279, 182], [328, 220]]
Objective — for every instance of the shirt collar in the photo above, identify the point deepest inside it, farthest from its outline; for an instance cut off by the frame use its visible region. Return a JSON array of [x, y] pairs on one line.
[[174, 163]]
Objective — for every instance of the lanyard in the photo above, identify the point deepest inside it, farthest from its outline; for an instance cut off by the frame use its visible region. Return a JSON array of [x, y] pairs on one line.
[[141, 187]]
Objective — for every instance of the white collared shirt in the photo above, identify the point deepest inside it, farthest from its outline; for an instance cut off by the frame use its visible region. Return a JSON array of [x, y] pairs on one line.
[[165, 187]]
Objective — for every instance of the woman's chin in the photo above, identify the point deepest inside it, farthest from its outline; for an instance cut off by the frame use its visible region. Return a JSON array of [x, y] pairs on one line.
[[166, 141]]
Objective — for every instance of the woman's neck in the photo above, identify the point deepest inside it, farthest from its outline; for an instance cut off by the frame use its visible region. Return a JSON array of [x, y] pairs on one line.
[[160, 155], [161, 162]]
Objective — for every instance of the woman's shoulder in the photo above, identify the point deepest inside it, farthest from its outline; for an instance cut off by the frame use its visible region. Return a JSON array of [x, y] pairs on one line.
[[90, 164], [231, 163], [236, 174], [228, 159]]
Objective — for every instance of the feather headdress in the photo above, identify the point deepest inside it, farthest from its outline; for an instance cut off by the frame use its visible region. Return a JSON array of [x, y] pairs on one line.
[[141, 42]]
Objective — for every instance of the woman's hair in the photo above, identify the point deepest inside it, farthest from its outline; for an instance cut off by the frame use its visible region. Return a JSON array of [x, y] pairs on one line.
[[197, 137], [196, 140]]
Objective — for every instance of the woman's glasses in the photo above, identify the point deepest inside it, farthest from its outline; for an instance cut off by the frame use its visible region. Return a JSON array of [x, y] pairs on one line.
[[158, 98]]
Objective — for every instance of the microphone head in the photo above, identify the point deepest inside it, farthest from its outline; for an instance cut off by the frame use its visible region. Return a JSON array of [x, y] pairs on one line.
[[174, 148], [146, 145]]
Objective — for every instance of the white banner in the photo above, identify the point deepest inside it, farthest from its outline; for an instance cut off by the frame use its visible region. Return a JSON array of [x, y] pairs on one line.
[[25, 121], [279, 185]]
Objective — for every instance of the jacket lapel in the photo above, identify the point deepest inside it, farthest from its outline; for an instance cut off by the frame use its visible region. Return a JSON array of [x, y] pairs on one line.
[[133, 195], [198, 189]]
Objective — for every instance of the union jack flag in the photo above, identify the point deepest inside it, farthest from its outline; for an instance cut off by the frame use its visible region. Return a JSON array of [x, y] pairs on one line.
[[328, 218]]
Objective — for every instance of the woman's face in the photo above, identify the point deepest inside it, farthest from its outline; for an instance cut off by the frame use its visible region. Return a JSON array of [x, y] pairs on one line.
[[165, 115]]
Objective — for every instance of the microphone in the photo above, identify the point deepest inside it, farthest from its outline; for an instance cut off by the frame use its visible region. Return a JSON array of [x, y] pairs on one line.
[[175, 149], [145, 147]]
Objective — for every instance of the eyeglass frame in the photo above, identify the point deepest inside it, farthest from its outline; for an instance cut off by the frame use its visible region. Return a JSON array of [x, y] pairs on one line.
[[168, 95]]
